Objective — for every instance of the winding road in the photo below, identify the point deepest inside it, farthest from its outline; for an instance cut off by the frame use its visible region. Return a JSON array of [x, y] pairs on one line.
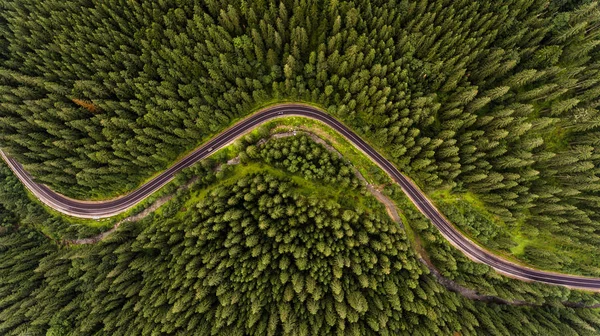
[[88, 209]]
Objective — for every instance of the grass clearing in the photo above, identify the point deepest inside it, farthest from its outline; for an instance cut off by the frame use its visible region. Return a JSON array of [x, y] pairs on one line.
[[522, 242], [524, 238]]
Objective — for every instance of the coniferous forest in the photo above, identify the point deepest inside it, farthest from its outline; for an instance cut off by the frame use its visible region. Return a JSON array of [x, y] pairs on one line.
[[495, 103], [245, 253]]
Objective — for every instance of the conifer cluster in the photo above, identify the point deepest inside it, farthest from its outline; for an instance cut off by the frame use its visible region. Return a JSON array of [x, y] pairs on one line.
[[256, 256]]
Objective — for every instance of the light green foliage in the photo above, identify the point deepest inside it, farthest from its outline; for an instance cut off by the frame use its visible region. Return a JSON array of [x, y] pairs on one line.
[[454, 265], [475, 223]]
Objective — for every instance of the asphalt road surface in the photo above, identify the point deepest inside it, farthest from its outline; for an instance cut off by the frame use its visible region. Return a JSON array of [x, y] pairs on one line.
[[87, 209]]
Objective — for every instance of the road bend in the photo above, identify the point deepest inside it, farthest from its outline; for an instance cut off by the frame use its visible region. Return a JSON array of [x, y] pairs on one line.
[[101, 209]]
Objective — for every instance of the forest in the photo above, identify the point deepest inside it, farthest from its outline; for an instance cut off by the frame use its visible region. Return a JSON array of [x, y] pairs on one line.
[[499, 101], [493, 103], [245, 253]]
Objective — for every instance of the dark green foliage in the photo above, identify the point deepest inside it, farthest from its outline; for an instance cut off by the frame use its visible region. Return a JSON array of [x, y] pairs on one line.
[[567, 5], [299, 154], [15, 205], [501, 100], [253, 257], [277, 260]]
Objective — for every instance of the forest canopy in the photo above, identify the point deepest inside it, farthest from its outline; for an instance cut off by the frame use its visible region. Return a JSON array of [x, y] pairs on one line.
[[497, 100], [246, 253]]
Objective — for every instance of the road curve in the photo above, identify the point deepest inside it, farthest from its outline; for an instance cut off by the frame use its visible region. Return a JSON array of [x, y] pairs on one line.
[[86, 209]]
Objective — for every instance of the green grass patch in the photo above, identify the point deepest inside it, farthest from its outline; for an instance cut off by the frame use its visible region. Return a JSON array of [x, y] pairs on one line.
[[522, 242], [519, 242]]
